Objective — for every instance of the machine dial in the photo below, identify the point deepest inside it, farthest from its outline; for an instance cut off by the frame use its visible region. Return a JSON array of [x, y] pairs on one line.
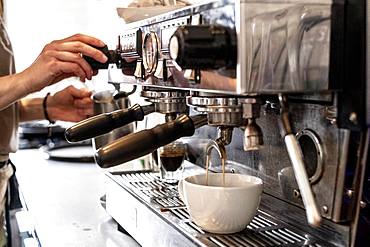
[[150, 52], [174, 47], [203, 47]]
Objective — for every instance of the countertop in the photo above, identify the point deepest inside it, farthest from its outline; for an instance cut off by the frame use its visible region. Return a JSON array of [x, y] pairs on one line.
[[63, 199]]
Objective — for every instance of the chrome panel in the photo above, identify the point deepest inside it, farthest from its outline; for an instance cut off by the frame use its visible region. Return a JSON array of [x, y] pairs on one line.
[[283, 46]]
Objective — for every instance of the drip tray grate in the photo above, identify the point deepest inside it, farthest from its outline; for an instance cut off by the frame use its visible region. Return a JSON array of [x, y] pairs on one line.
[[264, 230], [263, 238], [260, 232], [153, 189]]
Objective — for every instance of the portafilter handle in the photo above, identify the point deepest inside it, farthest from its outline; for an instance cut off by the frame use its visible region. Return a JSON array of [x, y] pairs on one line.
[[106, 122], [144, 142], [296, 157]]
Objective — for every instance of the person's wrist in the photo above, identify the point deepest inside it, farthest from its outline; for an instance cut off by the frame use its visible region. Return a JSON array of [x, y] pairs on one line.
[[30, 84], [24, 85]]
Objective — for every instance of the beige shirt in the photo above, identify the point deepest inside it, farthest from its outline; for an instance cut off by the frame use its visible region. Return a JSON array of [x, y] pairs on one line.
[[9, 117], [8, 124]]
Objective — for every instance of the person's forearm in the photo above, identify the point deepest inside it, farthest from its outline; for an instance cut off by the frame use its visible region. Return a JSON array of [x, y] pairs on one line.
[[31, 109], [12, 89]]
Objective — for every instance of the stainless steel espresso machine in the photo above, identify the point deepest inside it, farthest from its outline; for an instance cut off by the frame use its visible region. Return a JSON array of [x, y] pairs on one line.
[[280, 87]]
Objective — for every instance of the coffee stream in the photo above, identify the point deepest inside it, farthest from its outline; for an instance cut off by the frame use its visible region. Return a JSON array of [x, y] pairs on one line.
[[223, 164]]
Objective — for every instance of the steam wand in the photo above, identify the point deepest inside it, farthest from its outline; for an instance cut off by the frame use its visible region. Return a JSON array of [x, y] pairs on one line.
[[296, 158]]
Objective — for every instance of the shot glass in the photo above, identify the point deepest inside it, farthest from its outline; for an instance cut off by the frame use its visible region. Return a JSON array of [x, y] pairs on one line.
[[171, 159]]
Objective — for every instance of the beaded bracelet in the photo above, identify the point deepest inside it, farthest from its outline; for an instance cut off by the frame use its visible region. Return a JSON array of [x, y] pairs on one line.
[[45, 108]]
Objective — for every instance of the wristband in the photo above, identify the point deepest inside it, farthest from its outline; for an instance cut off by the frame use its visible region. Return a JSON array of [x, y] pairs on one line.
[[45, 108]]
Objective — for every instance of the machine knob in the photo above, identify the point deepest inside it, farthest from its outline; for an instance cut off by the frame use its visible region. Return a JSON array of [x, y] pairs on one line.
[[114, 57], [203, 47]]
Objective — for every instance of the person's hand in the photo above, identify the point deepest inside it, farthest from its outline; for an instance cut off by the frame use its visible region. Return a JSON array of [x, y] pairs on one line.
[[70, 104], [62, 59]]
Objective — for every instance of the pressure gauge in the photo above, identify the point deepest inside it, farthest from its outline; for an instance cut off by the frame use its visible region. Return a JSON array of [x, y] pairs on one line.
[[150, 52]]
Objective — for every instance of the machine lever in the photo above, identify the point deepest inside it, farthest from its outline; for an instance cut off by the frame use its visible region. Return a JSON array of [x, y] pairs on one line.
[[106, 122], [296, 158]]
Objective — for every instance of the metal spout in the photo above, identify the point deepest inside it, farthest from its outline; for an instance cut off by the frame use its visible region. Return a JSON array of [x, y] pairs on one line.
[[253, 137], [224, 135], [170, 116], [224, 138]]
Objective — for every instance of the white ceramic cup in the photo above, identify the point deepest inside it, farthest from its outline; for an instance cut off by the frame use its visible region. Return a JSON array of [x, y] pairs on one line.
[[221, 209]]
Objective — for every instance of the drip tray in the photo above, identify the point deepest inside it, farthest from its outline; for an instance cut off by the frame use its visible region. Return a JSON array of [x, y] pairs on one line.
[[164, 201]]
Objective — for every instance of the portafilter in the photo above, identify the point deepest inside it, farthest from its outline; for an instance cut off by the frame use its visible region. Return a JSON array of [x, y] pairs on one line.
[[145, 142]]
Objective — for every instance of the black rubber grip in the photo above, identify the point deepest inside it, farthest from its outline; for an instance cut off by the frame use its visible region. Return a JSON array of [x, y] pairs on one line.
[[111, 55], [103, 123], [143, 142]]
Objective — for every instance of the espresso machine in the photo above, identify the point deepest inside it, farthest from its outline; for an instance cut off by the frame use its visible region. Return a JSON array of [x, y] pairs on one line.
[[278, 88]]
